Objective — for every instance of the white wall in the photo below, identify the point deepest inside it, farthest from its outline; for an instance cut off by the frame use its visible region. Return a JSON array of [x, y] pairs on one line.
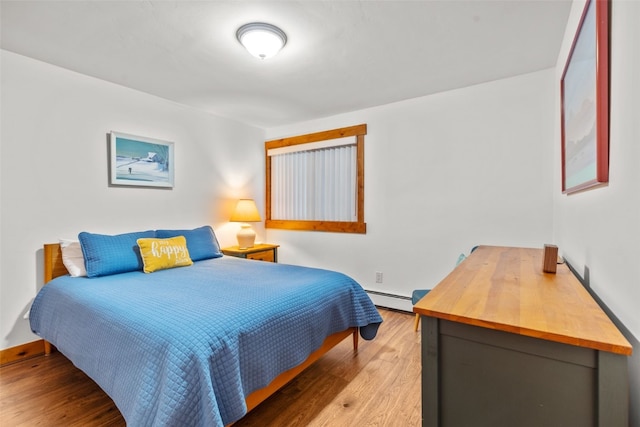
[[54, 179], [599, 230], [442, 173]]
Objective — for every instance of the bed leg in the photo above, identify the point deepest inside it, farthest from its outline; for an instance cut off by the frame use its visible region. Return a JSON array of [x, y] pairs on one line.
[[47, 348], [355, 339]]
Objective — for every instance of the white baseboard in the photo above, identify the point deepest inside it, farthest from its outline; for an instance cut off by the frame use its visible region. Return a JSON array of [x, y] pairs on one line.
[[396, 302]]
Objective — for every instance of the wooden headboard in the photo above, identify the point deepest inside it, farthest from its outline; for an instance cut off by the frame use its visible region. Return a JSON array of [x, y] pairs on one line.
[[53, 265]]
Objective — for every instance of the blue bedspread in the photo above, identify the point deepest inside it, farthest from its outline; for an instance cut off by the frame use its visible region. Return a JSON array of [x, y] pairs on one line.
[[184, 347]]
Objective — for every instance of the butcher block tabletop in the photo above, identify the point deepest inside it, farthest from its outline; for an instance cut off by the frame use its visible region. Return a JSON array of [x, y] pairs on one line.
[[504, 288]]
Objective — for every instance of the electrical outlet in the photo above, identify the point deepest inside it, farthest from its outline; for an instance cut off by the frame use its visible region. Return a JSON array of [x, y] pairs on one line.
[[378, 277]]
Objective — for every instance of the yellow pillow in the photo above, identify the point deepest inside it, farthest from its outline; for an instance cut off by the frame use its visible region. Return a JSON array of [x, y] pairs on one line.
[[159, 254]]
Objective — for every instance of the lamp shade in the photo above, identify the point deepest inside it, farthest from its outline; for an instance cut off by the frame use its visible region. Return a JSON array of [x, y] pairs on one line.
[[246, 211], [262, 40]]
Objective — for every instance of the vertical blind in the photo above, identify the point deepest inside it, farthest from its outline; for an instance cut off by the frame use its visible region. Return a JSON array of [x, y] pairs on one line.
[[316, 184]]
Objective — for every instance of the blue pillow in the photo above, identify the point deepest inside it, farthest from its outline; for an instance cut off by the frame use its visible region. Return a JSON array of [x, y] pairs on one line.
[[201, 242], [105, 255]]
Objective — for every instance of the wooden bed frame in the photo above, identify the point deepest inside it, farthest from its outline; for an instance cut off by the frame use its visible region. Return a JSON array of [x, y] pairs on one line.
[[54, 267]]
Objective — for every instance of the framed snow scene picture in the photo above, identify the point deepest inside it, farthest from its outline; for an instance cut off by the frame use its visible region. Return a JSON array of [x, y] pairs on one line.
[[140, 161]]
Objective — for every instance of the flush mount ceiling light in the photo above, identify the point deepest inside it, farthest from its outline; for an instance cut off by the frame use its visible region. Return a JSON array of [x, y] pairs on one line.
[[261, 40]]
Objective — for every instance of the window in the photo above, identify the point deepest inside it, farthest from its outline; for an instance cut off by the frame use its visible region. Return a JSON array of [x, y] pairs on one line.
[[316, 181]]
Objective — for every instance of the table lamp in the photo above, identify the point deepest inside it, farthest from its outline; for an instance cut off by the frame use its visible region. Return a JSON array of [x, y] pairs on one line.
[[245, 212]]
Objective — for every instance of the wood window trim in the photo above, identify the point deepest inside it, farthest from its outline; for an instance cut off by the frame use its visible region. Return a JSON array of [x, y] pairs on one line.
[[358, 226]]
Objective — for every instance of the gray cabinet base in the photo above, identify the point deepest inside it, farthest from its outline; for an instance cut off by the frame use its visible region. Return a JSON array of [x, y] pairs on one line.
[[475, 376]]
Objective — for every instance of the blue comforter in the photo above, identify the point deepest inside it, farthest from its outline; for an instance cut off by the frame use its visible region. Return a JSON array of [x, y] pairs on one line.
[[184, 347]]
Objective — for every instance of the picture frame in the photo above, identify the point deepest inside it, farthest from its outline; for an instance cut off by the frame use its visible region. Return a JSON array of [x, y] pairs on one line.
[[585, 102], [140, 161]]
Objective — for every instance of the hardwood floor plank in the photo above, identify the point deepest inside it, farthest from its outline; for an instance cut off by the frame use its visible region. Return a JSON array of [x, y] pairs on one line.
[[377, 386]]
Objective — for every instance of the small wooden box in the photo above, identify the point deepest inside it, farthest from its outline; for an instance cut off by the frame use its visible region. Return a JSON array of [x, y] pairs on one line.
[[550, 259]]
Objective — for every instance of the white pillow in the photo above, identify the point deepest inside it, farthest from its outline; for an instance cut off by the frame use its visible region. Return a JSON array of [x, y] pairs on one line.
[[72, 257]]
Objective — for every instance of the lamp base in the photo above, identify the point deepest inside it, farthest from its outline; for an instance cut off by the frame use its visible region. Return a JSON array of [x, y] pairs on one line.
[[246, 236]]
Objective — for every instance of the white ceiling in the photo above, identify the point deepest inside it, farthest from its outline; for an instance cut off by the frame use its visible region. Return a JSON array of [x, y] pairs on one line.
[[340, 56]]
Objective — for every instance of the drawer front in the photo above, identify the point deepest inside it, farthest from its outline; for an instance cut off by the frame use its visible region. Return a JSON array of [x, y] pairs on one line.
[[263, 256]]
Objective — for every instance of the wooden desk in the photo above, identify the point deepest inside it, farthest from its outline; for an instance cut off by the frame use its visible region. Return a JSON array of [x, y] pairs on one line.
[[505, 344]]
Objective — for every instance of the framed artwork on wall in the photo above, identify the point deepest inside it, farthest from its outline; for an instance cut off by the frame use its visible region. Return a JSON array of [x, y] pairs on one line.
[[585, 102], [140, 161]]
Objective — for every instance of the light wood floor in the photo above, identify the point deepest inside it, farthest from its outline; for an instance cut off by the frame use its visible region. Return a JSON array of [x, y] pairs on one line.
[[377, 386]]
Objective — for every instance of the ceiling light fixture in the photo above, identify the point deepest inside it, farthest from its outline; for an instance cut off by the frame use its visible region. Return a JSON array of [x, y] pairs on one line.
[[261, 40]]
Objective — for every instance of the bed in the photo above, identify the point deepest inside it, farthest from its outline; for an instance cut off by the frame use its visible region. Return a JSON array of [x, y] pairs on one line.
[[198, 345]]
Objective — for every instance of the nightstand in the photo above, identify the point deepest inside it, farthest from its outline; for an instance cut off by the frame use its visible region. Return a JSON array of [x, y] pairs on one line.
[[261, 252]]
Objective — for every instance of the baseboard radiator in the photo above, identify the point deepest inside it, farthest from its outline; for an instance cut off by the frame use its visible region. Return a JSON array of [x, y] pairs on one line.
[[385, 299]]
